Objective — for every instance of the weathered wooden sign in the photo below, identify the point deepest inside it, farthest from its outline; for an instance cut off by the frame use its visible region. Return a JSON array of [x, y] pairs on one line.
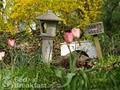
[[94, 28]]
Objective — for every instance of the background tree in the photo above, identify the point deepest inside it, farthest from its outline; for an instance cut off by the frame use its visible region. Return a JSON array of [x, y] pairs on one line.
[[111, 16], [110, 40], [75, 13]]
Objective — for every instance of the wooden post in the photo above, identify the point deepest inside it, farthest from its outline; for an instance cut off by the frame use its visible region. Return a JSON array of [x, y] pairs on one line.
[[98, 48], [95, 29]]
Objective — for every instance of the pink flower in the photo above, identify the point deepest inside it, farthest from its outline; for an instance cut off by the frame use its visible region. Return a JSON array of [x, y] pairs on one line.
[[76, 32], [2, 54], [68, 36], [11, 42]]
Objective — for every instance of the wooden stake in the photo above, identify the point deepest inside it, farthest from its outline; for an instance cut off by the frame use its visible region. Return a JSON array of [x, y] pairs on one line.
[[98, 48]]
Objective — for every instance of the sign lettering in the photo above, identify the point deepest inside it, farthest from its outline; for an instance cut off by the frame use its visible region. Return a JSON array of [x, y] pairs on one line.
[[94, 28]]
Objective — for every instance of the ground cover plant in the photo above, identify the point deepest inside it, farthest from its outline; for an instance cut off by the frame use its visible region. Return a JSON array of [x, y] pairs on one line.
[[39, 75]]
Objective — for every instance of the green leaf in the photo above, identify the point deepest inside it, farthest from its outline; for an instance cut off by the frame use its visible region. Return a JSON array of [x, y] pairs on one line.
[[92, 69], [69, 78], [58, 72], [85, 79], [114, 81], [74, 82]]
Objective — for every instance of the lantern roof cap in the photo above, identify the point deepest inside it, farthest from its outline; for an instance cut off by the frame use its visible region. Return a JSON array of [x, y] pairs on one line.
[[49, 16]]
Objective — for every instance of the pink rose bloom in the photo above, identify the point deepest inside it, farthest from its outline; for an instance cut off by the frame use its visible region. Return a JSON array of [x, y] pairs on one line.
[[2, 54], [11, 42], [76, 32], [68, 36]]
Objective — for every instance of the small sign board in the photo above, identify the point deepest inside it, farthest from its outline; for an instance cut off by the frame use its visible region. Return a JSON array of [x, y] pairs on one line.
[[94, 28]]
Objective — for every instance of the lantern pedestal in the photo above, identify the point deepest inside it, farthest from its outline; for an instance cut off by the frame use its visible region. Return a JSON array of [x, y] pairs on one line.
[[47, 47]]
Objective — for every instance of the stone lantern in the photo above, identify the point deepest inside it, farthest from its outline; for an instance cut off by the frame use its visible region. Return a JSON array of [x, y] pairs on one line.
[[48, 22]]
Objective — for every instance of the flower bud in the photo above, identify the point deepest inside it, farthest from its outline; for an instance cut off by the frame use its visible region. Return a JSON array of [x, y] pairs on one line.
[[68, 36], [2, 54], [11, 42], [76, 32]]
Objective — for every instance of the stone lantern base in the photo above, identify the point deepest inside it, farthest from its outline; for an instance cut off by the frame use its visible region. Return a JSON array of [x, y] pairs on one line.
[[47, 47]]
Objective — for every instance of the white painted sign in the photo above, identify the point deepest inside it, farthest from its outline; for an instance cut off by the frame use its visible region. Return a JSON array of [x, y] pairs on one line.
[[94, 28], [88, 47]]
